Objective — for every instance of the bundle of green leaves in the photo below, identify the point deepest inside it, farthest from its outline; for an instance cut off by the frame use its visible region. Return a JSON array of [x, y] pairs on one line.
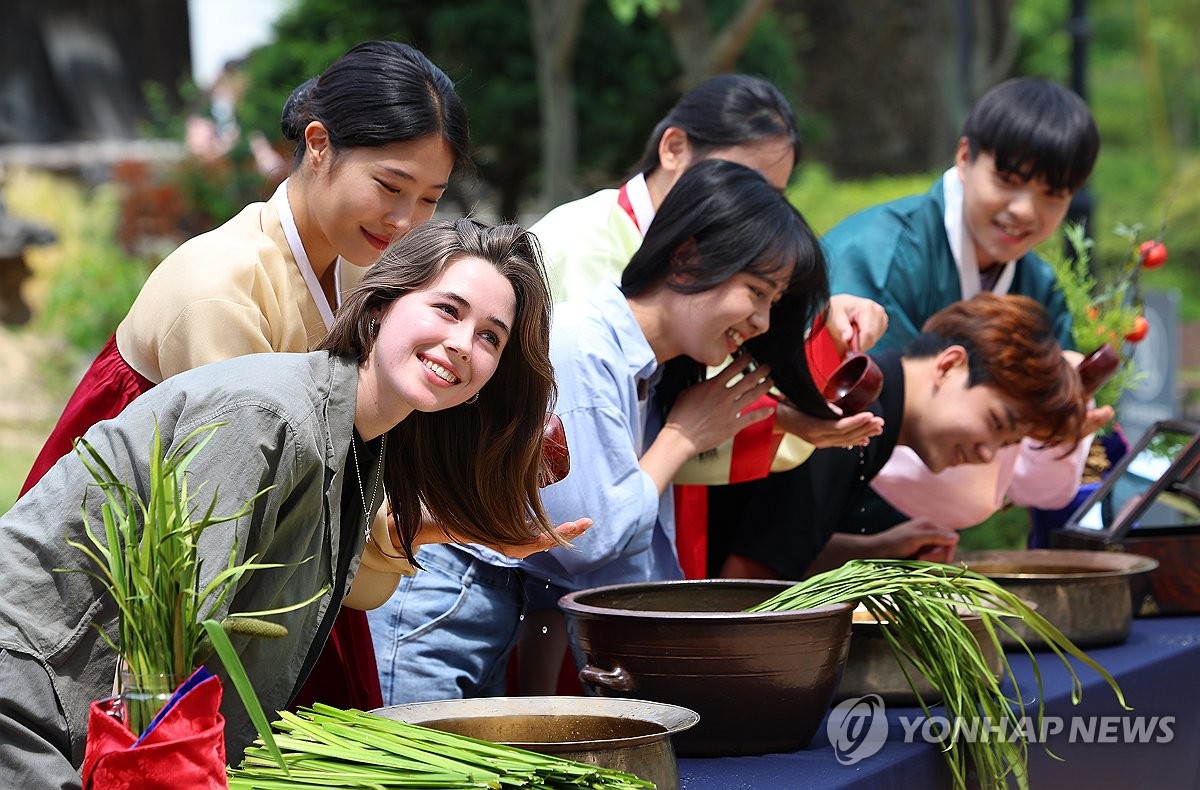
[[918, 605], [328, 747], [148, 560]]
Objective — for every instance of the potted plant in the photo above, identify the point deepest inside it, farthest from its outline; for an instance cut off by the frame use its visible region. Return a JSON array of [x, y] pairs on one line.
[[147, 558], [1109, 313], [1101, 314]]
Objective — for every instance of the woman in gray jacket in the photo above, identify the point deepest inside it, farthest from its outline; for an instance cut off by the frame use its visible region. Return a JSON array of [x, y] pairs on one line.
[[395, 405]]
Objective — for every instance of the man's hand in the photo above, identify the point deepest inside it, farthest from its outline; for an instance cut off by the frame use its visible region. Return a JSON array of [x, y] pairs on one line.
[[919, 539], [1097, 419], [847, 312]]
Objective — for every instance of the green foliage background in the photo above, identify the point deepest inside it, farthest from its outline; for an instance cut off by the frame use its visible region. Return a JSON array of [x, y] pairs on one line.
[[1143, 87], [626, 76]]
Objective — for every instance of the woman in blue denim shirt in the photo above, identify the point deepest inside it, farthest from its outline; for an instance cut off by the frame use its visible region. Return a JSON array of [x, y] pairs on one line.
[[723, 250]]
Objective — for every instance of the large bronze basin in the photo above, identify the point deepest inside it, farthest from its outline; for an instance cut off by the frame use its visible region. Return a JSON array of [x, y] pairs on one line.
[[1086, 594], [628, 735], [761, 682], [873, 667]]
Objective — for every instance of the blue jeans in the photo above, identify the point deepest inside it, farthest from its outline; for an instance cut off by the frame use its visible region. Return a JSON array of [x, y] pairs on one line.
[[446, 632]]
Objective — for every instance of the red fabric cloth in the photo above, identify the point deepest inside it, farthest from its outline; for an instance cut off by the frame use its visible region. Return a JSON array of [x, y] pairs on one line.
[[691, 530], [691, 502], [822, 354], [567, 685], [754, 446], [107, 387], [345, 675], [627, 206], [185, 749]]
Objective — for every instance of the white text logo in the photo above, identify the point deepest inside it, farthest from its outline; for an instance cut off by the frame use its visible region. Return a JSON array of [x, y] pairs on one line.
[[857, 728]]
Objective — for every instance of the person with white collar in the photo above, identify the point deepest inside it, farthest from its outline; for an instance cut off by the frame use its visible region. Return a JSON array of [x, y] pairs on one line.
[[1027, 147], [735, 117], [376, 136]]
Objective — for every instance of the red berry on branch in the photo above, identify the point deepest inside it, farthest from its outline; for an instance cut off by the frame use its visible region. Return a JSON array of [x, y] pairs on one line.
[[1140, 327], [1153, 253]]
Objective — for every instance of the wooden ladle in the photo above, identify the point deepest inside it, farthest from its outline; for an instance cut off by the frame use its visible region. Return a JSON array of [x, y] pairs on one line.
[[556, 458], [1098, 367], [856, 383]]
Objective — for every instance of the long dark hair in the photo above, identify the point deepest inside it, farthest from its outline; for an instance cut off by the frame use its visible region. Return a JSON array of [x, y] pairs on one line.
[[378, 93], [724, 111], [737, 222], [474, 467]]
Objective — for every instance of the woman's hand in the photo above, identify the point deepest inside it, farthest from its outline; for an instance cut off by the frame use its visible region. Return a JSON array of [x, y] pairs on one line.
[[706, 415], [709, 413], [542, 542], [381, 569], [537, 542], [853, 431], [430, 532]]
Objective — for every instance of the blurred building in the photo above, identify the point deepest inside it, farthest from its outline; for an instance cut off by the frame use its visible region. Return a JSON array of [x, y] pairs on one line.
[[73, 70]]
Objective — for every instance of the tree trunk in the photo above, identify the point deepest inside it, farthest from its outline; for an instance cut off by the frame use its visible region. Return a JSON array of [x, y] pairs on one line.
[[702, 54], [892, 82], [880, 75], [998, 45], [555, 32]]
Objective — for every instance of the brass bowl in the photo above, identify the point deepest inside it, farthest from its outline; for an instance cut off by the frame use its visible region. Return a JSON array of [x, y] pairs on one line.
[[624, 734], [761, 682], [1086, 594], [874, 668]]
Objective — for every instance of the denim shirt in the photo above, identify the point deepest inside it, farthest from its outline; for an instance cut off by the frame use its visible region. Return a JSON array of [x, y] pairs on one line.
[[601, 361], [288, 424]]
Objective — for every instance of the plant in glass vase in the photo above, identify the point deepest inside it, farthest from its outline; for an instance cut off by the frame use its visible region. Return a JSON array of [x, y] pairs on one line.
[[148, 560]]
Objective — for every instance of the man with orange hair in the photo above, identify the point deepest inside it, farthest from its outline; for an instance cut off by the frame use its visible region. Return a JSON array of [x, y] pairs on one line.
[[1026, 147], [983, 374]]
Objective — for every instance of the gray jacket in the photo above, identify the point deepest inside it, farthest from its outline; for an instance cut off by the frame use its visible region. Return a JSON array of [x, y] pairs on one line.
[[289, 422]]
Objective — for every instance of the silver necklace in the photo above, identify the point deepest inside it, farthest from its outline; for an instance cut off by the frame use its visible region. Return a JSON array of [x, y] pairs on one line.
[[362, 493]]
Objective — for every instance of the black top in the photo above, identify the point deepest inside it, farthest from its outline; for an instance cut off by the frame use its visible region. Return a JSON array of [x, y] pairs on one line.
[[784, 520]]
